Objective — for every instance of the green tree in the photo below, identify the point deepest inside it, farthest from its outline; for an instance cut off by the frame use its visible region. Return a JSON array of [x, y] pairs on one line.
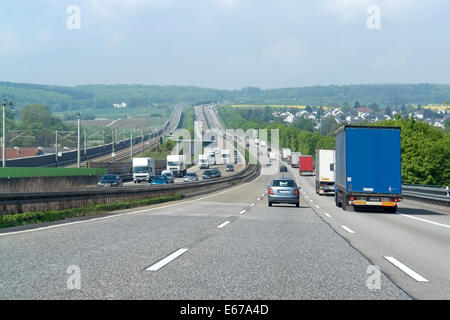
[[304, 124]]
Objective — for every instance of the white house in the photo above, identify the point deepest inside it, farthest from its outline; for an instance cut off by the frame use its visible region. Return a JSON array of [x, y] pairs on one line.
[[120, 105]]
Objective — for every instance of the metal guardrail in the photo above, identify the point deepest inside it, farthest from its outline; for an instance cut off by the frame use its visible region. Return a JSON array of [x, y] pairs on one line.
[[18, 199], [431, 194]]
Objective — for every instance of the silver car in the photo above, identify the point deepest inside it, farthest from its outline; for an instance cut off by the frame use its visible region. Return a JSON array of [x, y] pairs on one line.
[[190, 176], [283, 190]]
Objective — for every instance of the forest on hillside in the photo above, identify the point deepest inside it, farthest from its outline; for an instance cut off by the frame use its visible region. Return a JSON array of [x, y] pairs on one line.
[[64, 98]]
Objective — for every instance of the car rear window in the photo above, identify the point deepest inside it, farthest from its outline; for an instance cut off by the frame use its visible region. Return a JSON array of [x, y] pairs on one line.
[[284, 183]]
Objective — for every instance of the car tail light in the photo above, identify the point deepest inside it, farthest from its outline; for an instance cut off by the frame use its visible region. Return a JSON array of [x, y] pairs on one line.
[[352, 198], [395, 199], [296, 192], [271, 191]]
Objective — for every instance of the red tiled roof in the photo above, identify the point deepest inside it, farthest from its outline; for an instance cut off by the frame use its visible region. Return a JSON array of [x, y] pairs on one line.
[[365, 110], [14, 153]]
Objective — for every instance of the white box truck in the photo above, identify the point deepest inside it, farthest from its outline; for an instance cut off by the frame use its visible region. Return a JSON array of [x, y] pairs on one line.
[[272, 155], [203, 161], [295, 159], [325, 173], [285, 153], [177, 165], [225, 156], [143, 169]]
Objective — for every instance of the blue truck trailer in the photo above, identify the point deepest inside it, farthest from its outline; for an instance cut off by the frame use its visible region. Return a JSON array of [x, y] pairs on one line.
[[368, 168]]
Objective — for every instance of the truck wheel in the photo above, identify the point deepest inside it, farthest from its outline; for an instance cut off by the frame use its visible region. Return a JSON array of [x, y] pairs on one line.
[[270, 204], [297, 204], [336, 198]]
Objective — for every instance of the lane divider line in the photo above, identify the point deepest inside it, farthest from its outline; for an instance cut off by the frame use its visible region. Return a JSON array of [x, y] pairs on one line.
[[406, 270], [220, 226], [425, 220], [166, 260], [317, 206], [243, 211], [259, 199], [329, 216], [348, 229], [253, 204]]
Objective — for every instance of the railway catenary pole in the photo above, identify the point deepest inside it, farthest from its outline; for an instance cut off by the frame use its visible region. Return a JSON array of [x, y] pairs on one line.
[[5, 103], [78, 142], [4, 136], [131, 144], [56, 148], [85, 145]]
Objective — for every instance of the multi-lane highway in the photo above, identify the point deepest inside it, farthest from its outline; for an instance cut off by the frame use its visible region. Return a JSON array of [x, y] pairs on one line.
[[231, 245], [228, 245]]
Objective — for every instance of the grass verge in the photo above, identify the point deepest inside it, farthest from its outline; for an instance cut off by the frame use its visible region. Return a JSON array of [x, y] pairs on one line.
[[26, 218]]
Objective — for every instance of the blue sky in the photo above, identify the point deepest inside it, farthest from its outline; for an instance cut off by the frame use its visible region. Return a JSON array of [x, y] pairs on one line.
[[226, 44]]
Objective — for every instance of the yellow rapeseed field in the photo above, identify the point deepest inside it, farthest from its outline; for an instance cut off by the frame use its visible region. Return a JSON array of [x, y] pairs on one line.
[[271, 105], [437, 107]]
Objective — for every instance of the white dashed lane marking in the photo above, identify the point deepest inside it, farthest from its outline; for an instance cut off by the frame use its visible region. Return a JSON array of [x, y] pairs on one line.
[[406, 270], [166, 260], [348, 229], [220, 226]]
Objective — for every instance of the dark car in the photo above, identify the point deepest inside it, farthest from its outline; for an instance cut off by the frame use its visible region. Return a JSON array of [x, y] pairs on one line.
[[216, 173], [110, 180], [283, 169], [230, 168], [283, 190], [160, 179], [207, 174]]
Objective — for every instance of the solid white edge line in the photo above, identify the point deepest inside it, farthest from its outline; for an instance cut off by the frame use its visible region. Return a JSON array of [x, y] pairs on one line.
[[220, 226], [166, 260], [123, 214], [348, 229], [243, 211], [425, 220], [406, 269], [327, 215]]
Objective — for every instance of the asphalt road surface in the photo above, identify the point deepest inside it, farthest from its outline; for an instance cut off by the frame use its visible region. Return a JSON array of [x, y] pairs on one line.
[[418, 237], [228, 245]]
